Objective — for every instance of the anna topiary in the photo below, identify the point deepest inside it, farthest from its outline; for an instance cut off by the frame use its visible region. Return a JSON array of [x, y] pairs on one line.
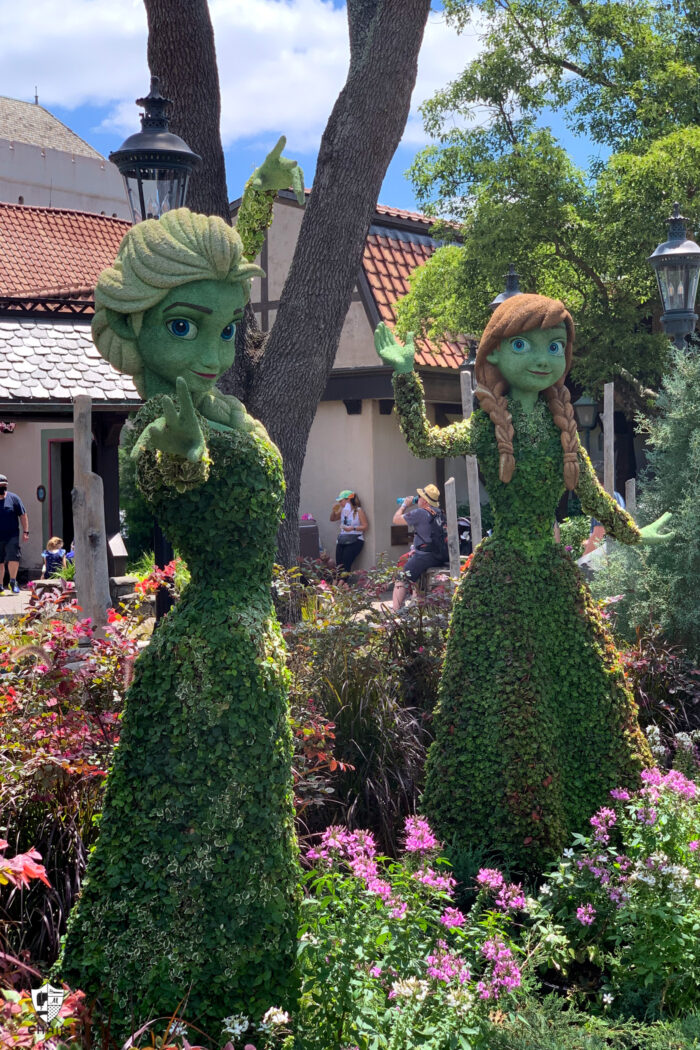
[[534, 722], [191, 890]]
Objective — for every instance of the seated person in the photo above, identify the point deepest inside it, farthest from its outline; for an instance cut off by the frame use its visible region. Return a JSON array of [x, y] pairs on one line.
[[423, 554], [54, 558], [353, 524]]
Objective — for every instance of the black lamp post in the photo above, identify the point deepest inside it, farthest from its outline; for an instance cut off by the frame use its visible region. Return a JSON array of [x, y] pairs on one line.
[[512, 280], [677, 265], [156, 165], [586, 413]]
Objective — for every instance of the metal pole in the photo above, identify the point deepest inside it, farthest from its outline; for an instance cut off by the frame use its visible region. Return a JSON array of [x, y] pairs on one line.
[[465, 380], [163, 553], [609, 438], [452, 527]]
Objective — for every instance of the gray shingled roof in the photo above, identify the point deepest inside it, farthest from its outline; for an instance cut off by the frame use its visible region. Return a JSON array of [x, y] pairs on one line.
[[26, 122], [55, 360]]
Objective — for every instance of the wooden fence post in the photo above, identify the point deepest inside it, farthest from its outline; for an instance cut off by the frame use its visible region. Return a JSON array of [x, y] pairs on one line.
[[452, 527], [91, 572], [465, 380], [609, 438], [631, 496]]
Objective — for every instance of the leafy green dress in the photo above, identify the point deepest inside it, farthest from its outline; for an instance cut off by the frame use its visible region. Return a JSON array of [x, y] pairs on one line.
[[191, 888], [534, 723]]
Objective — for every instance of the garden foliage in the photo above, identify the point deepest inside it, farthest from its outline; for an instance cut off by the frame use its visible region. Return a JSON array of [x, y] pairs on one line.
[[660, 584], [192, 883]]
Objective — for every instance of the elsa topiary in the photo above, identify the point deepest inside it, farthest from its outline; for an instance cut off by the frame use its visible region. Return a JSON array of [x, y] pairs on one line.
[[191, 890], [534, 723]]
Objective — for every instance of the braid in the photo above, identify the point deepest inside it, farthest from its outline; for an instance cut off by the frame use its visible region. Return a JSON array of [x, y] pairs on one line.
[[559, 401], [495, 404]]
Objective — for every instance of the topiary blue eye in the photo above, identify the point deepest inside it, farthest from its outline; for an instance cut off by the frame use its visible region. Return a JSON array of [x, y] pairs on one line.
[[556, 347], [229, 332], [520, 345], [182, 328]]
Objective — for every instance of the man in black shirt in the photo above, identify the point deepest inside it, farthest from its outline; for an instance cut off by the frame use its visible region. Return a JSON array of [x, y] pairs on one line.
[[12, 513]]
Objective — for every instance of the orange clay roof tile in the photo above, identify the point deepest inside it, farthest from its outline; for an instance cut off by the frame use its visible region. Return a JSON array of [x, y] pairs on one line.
[[390, 256]]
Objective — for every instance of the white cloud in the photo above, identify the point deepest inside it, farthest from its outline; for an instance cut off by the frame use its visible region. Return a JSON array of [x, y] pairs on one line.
[[281, 62]]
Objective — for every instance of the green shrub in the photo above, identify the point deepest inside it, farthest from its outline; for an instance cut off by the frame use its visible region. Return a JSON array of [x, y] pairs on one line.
[[660, 584], [574, 532]]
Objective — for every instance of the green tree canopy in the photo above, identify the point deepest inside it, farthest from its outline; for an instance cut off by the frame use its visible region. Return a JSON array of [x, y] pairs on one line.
[[516, 196]]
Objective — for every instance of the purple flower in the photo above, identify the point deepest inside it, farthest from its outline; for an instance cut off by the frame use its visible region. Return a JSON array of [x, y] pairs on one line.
[[620, 794], [505, 974], [445, 965], [585, 914]]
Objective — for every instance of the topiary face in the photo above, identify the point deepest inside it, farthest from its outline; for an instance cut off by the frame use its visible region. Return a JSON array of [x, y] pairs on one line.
[[190, 333], [531, 361]]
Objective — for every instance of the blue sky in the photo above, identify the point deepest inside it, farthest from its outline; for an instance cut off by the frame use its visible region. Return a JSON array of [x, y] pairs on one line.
[[281, 65]]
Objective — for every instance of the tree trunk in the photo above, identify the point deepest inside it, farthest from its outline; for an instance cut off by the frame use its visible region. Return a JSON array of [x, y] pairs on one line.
[[358, 143], [182, 53], [282, 380]]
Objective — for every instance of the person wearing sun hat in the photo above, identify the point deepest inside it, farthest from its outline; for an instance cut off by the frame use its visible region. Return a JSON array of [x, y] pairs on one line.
[[418, 515], [353, 524]]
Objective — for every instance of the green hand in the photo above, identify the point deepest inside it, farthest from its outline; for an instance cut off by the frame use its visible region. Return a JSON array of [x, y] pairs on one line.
[[175, 432], [392, 352], [652, 534], [278, 173]]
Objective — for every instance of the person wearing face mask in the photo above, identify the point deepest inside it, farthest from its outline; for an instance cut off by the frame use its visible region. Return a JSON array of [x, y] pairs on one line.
[[12, 514]]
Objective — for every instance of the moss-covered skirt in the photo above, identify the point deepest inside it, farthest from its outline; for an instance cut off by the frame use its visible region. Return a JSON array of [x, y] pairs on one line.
[[190, 890], [534, 723]]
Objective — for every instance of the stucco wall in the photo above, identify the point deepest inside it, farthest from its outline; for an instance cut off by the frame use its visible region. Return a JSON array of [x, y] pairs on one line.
[[52, 178], [26, 468]]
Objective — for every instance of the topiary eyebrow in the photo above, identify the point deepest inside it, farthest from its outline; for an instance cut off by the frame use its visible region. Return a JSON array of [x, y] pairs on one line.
[[192, 306]]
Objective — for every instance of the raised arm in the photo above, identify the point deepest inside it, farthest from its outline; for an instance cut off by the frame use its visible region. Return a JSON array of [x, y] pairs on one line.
[[255, 213], [599, 504], [423, 439]]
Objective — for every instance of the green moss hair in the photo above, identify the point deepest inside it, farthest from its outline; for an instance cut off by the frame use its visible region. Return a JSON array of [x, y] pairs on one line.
[[155, 256], [523, 313]]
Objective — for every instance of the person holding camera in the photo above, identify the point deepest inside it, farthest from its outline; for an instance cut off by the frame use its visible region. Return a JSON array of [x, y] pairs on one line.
[[353, 524], [12, 514], [422, 513]]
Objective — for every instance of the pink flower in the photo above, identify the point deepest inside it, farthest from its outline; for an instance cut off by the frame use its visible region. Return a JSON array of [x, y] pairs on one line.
[[602, 821], [620, 794], [490, 878], [375, 971], [452, 917], [510, 897], [436, 882], [693, 845], [419, 837], [586, 914], [399, 910], [505, 973], [445, 965]]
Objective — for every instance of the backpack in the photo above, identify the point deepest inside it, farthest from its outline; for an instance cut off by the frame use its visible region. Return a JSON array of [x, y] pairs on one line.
[[438, 537]]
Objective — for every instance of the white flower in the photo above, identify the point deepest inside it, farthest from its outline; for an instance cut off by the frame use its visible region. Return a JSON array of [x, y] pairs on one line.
[[568, 853], [460, 1000], [274, 1018], [546, 890], [178, 1028], [608, 999], [411, 988], [235, 1025]]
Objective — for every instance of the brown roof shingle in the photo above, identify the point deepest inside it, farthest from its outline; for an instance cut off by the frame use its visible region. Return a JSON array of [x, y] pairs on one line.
[[48, 250]]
